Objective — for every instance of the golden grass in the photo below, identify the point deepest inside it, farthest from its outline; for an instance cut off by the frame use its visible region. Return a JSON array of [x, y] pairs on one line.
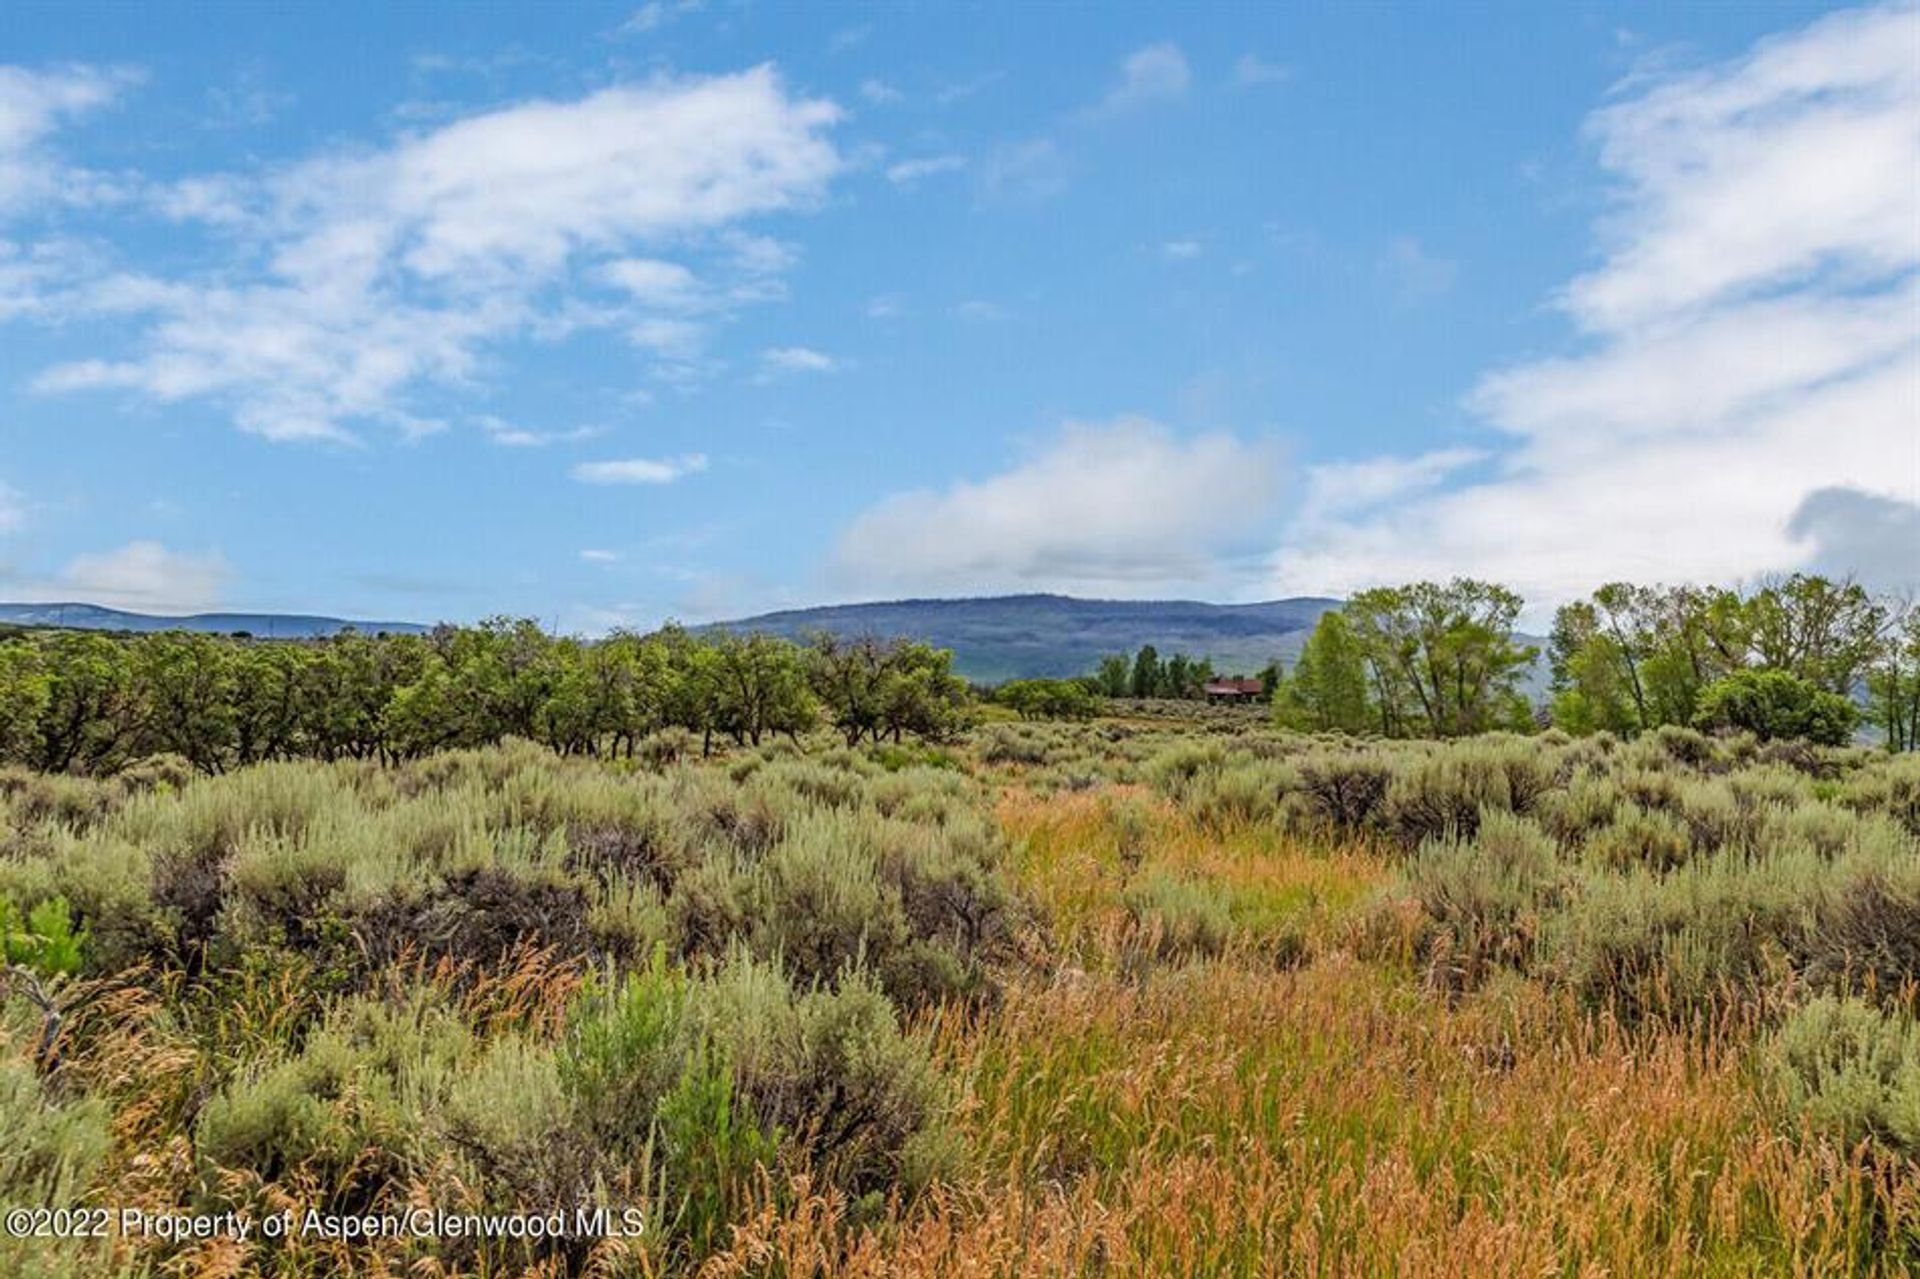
[[1225, 1118]]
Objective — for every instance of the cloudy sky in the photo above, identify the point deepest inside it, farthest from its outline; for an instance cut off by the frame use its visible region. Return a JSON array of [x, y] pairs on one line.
[[605, 314]]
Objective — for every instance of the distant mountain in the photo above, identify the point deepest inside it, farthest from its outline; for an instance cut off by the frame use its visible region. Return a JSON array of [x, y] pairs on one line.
[[1021, 636], [92, 617]]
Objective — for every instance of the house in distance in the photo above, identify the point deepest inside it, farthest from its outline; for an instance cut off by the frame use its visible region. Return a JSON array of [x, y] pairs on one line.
[[1235, 690]]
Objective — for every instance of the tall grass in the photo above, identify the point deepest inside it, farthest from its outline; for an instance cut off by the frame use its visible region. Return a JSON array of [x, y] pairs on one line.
[[1124, 998]]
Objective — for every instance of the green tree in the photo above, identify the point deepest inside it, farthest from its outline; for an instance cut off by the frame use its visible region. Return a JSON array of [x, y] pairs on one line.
[[266, 690], [760, 685], [1826, 632], [93, 710], [1328, 689], [24, 690], [1115, 676], [1148, 678], [1443, 656], [1893, 683], [1049, 698], [186, 684], [1777, 704]]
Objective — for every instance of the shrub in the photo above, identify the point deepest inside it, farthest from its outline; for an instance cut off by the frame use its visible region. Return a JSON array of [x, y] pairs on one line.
[[1641, 837], [1446, 792], [1001, 744], [52, 1148], [1485, 897], [1865, 935], [44, 938], [817, 902], [1179, 917], [720, 1074], [1774, 704], [1345, 788], [1848, 1070], [348, 1110]]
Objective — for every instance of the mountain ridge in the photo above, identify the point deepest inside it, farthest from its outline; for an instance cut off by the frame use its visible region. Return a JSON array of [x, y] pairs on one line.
[[996, 637], [73, 615]]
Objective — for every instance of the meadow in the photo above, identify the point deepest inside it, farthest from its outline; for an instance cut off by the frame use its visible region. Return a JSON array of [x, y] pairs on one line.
[[1154, 994]]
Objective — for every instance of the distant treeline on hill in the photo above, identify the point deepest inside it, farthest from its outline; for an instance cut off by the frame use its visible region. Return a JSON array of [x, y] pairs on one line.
[[1793, 659]]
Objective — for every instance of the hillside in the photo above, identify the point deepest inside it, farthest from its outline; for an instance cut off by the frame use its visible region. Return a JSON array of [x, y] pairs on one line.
[[1014, 636], [94, 617]]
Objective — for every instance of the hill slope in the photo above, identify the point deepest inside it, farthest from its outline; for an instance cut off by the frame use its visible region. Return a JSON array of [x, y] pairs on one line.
[[1016, 636], [93, 617]]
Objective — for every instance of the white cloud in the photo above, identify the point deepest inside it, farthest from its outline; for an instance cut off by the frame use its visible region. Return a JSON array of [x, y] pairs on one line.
[[1751, 337], [880, 93], [508, 435], [909, 172], [1181, 250], [886, 306], [141, 575], [595, 556], [1345, 489], [33, 104], [640, 470], [1125, 507], [1155, 73], [652, 281], [392, 271], [799, 359]]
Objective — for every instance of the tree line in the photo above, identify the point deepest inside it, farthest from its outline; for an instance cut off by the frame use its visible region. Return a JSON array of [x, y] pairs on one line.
[[1806, 656], [1179, 676], [92, 702]]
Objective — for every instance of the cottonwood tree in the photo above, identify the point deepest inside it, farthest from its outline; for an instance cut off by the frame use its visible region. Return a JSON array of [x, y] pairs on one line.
[[1327, 691], [1443, 655]]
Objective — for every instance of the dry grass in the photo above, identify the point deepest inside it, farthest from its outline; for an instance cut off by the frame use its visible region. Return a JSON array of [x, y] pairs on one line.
[[1217, 1052]]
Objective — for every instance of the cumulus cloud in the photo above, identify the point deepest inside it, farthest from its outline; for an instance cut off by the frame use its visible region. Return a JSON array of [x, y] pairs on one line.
[[640, 470], [1125, 508], [389, 272], [144, 576], [1751, 336]]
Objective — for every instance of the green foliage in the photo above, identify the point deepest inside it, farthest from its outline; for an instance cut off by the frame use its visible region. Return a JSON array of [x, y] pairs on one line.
[[45, 940], [1328, 690], [1181, 917], [52, 1147], [1442, 657], [1775, 704], [1048, 698], [710, 1077], [1847, 1070]]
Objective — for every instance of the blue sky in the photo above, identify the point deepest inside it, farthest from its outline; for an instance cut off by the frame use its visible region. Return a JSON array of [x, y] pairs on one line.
[[606, 314]]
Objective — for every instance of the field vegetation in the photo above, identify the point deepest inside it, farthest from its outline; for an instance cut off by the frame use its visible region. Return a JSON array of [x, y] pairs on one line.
[[873, 989]]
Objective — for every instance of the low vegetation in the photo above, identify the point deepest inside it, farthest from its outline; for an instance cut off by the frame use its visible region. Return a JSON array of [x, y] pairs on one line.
[[1162, 989]]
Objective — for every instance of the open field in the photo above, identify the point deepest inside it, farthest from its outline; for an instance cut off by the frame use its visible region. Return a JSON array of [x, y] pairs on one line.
[[1118, 998]]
